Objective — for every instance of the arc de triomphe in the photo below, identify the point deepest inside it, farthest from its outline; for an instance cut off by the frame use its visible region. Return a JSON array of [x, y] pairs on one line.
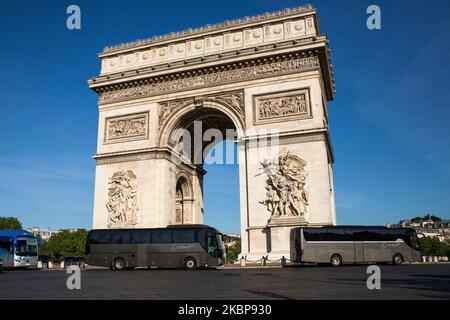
[[257, 75]]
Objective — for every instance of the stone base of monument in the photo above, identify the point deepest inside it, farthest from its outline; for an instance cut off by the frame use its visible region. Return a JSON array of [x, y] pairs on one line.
[[284, 221], [280, 235]]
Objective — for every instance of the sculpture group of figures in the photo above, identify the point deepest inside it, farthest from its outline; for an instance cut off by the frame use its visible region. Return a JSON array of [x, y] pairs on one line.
[[286, 194], [284, 106], [122, 200], [126, 128]]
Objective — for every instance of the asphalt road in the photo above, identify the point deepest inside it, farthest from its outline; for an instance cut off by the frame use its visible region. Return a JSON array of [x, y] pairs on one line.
[[293, 283]]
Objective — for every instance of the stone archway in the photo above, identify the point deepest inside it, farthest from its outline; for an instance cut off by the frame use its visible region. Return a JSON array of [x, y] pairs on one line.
[[261, 74], [183, 201], [196, 121]]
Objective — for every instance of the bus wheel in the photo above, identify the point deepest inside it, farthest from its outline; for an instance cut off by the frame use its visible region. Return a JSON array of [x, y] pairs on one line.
[[336, 260], [397, 259], [190, 263], [119, 264]]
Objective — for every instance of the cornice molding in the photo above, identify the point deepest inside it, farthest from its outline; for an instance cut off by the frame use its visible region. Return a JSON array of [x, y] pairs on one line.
[[286, 13], [212, 76], [262, 51]]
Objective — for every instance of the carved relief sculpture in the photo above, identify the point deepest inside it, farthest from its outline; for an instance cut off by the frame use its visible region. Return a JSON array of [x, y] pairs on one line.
[[294, 105], [122, 200], [167, 108], [242, 73], [126, 127], [235, 100], [286, 195]]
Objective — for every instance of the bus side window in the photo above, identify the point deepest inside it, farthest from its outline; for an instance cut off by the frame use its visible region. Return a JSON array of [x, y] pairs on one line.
[[141, 236], [183, 236], [100, 237], [162, 236], [120, 237]]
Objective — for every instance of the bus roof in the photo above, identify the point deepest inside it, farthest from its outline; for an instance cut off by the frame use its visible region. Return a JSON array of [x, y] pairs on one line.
[[169, 227], [15, 233], [359, 227]]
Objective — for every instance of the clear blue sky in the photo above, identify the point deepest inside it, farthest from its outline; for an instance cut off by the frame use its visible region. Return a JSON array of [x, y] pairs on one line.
[[389, 121]]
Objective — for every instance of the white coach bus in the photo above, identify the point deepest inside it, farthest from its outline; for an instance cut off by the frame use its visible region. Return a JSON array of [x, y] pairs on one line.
[[354, 244]]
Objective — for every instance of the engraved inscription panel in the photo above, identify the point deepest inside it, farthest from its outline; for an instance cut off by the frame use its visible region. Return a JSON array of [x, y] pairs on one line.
[[283, 106]]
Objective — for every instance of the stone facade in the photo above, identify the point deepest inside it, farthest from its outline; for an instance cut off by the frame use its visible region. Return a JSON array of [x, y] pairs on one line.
[[254, 75]]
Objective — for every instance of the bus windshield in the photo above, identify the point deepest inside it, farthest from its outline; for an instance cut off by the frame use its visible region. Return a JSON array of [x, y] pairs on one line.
[[26, 246], [415, 242], [215, 245], [6, 244]]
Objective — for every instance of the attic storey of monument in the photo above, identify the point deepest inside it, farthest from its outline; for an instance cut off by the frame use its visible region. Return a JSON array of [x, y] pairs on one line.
[[254, 75]]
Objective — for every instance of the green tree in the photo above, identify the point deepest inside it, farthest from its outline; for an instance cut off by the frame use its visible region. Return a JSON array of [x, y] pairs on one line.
[[426, 218], [65, 244], [10, 223], [431, 246], [233, 251]]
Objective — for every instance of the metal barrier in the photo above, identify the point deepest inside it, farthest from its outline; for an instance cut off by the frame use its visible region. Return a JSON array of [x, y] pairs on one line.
[[263, 261]]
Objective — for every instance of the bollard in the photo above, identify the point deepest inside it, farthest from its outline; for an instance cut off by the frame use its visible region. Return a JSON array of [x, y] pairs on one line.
[[429, 259], [263, 261], [243, 262], [435, 259], [50, 265], [61, 264], [424, 259], [283, 262], [39, 266]]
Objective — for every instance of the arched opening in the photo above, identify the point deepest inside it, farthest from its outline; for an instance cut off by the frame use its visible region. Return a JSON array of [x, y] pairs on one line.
[[205, 139], [222, 194], [183, 201]]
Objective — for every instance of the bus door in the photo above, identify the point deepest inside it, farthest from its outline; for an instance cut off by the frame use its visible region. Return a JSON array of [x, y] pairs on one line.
[[142, 255], [359, 251]]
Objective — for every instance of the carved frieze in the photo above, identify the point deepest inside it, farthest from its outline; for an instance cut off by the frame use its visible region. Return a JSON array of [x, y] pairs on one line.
[[234, 99], [286, 193], [126, 128], [122, 200], [209, 78], [291, 105]]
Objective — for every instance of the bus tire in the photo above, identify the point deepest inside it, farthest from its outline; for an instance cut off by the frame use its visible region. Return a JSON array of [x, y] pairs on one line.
[[397, 260], [119, 264], [336, 260], [190, 263]]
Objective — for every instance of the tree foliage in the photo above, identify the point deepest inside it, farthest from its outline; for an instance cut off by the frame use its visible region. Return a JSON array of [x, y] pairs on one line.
[[65, 244], [233, 251], [10, 223], [431, 246], [426, 218]]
